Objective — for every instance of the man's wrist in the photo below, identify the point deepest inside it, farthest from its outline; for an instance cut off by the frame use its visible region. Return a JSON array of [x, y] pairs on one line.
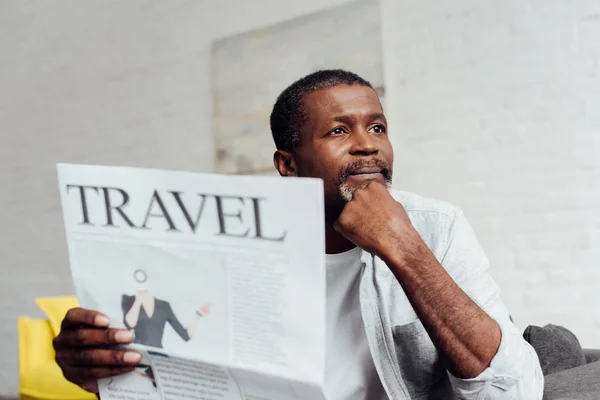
[[402, 252]]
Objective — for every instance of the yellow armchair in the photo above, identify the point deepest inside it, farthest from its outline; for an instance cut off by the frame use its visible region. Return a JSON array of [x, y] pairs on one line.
[[40, 378]]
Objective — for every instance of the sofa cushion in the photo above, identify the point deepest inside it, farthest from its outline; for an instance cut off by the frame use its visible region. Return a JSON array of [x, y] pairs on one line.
[[557, 347], [35, 343], [591, 355], [55, 309], [40, 378], [580, 383]]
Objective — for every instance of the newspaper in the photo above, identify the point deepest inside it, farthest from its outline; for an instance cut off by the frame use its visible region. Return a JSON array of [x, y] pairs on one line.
[[220, 277]]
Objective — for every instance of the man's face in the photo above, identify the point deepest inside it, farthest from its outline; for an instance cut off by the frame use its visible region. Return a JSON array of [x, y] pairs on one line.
[[344, 142]]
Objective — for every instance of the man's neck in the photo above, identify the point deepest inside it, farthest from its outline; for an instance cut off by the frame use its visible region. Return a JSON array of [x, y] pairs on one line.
[[334, 241]]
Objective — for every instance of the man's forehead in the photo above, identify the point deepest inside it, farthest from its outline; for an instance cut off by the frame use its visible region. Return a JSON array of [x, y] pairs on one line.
[[342, 99]]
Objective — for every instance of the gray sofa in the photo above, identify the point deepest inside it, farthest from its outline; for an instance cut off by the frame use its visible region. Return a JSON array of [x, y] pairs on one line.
[[570, 372], [578, 383], [591, 355]]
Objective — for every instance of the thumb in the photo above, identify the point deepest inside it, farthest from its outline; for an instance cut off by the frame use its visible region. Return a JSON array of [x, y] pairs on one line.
[[336, 226]]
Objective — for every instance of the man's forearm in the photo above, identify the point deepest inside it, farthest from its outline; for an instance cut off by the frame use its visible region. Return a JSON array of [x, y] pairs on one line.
[[464, 334]]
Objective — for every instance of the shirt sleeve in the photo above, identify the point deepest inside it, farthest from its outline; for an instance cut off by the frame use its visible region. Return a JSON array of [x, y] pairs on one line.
[[172, 319], [514, 372]]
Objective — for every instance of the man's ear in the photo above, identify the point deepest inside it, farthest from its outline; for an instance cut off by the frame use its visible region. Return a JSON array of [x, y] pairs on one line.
[[285, 163]]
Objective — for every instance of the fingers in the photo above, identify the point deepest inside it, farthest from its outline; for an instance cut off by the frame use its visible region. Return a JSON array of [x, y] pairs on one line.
[[336, 226], [85, 366], [92, 338], [81, 349], [77, 317], [87, 377], [98, 358], [91, 386]]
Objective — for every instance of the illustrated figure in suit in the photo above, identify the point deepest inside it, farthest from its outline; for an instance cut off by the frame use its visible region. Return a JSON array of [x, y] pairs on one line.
[[148, 316]]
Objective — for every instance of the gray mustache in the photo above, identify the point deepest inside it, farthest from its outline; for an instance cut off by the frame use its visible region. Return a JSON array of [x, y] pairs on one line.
[[348, 170]]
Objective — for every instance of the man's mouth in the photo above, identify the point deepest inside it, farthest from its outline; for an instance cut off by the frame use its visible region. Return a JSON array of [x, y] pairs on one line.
[[366, 173], [363, 171]]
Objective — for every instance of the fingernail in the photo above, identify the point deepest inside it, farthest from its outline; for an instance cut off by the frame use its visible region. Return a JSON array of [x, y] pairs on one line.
[[102, 320], [336, 227], [123, 336], [131, 357]]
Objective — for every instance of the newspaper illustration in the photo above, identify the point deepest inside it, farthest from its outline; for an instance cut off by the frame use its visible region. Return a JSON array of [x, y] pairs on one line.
[[220, 277]]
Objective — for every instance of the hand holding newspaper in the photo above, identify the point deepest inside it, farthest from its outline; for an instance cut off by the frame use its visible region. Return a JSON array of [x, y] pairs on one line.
[[221, 279]]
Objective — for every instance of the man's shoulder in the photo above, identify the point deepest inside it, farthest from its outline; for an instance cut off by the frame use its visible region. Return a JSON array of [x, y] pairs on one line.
[[432, 218], [415, 204]]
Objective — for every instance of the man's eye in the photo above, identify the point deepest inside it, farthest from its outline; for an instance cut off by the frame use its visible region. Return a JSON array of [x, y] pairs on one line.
[[377, 128], [337, 131]]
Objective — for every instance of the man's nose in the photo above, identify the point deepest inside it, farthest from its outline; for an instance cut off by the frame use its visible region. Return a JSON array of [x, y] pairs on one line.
[[363, 144]]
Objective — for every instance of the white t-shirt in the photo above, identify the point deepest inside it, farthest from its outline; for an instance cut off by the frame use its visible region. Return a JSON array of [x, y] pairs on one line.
[[349, 370]]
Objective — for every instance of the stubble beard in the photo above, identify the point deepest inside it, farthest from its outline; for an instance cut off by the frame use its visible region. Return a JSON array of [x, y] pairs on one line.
[[333, 208], [346, 190]]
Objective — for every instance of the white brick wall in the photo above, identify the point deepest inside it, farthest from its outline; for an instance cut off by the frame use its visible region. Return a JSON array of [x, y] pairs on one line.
[[98, 81], [494, 107]]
